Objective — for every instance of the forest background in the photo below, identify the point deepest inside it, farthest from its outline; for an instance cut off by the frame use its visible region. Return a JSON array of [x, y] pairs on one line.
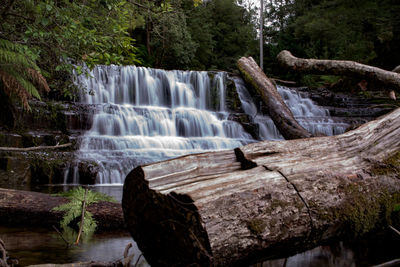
[[49, 36]]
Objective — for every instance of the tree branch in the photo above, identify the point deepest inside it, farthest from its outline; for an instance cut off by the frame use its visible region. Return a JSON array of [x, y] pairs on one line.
[[24, 149], [339, 67]]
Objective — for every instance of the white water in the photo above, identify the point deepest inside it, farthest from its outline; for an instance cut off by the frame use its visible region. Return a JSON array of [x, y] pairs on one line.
[[146, 115], [312, 117]]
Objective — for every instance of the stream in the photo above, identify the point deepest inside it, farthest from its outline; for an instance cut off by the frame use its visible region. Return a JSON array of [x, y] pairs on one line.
[[145, 115], [38, 246]]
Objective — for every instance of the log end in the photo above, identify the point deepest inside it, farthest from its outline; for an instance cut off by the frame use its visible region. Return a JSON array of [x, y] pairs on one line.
[[167, 228], [286, 58]]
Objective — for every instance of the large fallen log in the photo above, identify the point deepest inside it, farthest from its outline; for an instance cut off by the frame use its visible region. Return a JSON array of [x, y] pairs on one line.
[[27, 208], [277, 109], [340, 67], [264, 200]]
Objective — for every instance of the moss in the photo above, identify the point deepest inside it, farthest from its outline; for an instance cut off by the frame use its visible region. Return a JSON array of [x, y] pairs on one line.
[[391, 165], [256, 226], [232, 97], [46, 168], [57, 116], [363, 212]]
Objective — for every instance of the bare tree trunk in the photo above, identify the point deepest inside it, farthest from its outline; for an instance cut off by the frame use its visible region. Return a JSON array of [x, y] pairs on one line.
[[264, 200], [340, 67], [279, 112]]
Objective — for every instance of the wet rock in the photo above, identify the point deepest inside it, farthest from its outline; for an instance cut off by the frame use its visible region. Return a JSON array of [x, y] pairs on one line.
[[14, 170], [232, 98], [246, 122], [88, 172]]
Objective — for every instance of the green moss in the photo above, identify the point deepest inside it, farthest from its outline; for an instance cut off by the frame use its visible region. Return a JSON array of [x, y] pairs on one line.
[[57, 116], [256, 226], [46, 168], [363, 212], [391, 165]]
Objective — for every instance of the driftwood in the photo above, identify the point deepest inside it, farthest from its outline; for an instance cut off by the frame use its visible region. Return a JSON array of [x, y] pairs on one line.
[[35, 209], [264, 200], [277, 109], [340, 67], [35, 148]]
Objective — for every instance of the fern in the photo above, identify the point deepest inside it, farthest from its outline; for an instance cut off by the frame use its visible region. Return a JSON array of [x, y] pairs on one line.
[[19, 73], [73, 209]]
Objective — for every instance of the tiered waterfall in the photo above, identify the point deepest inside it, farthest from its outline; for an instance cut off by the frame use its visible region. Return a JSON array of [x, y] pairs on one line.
[[144, 115]]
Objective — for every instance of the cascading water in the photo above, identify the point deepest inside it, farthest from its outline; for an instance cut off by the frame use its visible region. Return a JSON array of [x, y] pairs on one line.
[[145, 115], [314, 118]]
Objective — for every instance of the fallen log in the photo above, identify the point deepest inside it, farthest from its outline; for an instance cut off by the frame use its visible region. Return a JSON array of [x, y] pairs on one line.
[[340, 67], [277, 109], [27, 208], [34, 148], [264, 200]]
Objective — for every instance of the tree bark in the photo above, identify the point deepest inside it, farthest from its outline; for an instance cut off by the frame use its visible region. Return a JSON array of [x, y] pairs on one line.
[[340, 67], [34, 148], [277, 109], [27, 208], [264, 200]]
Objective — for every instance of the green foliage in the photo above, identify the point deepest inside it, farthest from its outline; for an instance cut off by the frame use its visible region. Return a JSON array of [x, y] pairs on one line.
[[367, 31], [57, 32], [19, 74], [191, 34], [73, 209], [396, 207]]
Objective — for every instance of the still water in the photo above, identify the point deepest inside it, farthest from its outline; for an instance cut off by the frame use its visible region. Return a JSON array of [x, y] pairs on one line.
[[38, 245]]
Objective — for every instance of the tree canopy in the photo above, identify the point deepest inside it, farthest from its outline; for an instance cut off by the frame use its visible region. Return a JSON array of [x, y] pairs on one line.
[[367, 31], [185, 34]]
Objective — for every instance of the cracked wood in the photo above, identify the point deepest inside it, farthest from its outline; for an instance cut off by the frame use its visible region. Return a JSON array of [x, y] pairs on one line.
[[263, 200]]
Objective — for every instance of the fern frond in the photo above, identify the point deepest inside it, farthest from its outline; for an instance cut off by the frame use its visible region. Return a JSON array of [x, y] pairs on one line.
[[69, 217], [16, 59], [38, 79], [9, 45], [19, 73], [89, 224], [29, 87], [12, 86], [73, 209]]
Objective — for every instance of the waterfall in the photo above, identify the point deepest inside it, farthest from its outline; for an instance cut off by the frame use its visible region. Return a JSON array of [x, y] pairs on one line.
[[220, 80], [312, 117], [145, 115]]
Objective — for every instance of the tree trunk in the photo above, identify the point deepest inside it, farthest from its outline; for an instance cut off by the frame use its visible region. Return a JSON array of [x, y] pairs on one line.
[[340, 67], [264, 200], [277, 109], [35, 209]]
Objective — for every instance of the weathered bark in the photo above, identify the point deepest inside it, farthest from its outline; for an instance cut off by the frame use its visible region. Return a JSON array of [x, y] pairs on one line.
[[277, 109], [264, 200], [35, 209], [35, 148], [340, 67]]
